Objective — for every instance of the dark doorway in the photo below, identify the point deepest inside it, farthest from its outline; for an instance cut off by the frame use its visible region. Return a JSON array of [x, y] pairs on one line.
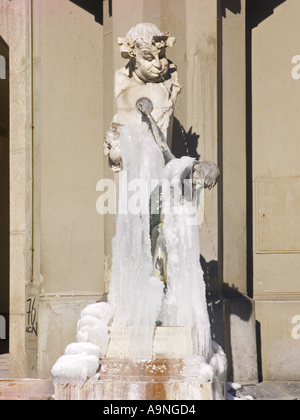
[[4, 197]]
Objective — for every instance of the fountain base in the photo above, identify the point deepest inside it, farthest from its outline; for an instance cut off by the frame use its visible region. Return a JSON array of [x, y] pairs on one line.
[[158, 379]]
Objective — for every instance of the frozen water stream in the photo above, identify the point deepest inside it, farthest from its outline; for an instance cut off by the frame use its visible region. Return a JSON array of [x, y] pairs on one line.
[[135, 295], [137, 298]]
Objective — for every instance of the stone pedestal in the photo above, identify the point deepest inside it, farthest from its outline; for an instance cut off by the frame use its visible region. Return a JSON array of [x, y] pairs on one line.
[[159, 379], [124, 380]]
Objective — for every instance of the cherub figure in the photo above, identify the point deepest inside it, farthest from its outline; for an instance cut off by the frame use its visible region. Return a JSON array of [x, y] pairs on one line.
[[149, 74]]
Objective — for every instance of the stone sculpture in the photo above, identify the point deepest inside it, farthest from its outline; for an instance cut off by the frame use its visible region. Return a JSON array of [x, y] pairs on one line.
[[155, 321], [147, 74], [147, 87]]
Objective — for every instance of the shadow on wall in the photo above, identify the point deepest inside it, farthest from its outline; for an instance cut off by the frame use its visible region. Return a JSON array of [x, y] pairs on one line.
[[184, 143], [233, 5], [210, 270], [258, 11], [95, 7], [261, 9]]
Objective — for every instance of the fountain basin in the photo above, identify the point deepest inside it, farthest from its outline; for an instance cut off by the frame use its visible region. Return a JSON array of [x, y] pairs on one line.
[[158, 379]]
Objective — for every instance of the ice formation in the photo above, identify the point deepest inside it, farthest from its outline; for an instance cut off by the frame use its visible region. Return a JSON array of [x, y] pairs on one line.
[[208, 370], [81, 359], [74, 368], [184, 304], [235, 394], [89, 349], [135, 295]]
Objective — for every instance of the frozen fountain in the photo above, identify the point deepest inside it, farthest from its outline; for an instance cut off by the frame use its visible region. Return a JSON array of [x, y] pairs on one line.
[[153, 334]]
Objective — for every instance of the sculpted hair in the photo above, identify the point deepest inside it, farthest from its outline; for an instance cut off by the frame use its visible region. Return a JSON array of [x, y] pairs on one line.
[[144, 33]]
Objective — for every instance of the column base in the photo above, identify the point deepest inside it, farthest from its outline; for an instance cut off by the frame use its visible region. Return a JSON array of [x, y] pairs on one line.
[[233, 325]]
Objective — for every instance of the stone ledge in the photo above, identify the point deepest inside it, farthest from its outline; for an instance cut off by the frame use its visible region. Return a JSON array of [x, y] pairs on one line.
[[118, 391], [26, 390]]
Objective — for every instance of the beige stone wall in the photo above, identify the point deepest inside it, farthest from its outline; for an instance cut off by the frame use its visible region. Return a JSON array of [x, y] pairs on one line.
[[276, 151], [68, 163]]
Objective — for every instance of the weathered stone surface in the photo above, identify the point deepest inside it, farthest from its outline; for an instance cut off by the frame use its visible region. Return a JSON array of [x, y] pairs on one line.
[[168, 342], [26, 390]]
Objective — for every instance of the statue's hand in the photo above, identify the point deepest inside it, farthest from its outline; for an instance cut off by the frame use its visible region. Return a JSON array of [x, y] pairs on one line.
[[145, 107], [143, 110], [208, 171]]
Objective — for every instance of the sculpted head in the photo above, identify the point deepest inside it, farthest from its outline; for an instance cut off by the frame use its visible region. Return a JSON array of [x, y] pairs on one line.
[[145, 47]]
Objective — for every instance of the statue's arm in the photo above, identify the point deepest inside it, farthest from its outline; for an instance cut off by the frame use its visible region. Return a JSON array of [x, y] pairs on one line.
[[156, 132]]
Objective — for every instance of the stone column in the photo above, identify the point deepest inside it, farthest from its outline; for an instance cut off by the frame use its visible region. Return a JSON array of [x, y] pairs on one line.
[[240, 336], [15, 30], [276, 185]]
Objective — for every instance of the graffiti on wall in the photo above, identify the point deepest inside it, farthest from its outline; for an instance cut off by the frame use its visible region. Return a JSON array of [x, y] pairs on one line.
[[31, 327]]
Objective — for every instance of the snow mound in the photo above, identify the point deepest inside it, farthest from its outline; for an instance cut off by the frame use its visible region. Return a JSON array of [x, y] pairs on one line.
[[83, 348], [92, 330], [74, 368], [100, 310]]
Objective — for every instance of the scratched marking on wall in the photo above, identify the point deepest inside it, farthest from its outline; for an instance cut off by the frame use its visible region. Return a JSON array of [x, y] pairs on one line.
[[31, 327], [296, 69], [2, 67], [2, 328], [296, 329]]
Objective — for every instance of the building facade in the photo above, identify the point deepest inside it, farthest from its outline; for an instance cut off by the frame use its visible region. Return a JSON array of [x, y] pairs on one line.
[[238, 65]]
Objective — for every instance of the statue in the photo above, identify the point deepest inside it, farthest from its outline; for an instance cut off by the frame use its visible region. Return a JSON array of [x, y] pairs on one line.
[[147, 88], [147, 74], [156, 308]]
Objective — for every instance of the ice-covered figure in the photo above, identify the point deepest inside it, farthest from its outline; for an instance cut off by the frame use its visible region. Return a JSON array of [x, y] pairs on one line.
[[157, 247], [156, 275], [148, 86]]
